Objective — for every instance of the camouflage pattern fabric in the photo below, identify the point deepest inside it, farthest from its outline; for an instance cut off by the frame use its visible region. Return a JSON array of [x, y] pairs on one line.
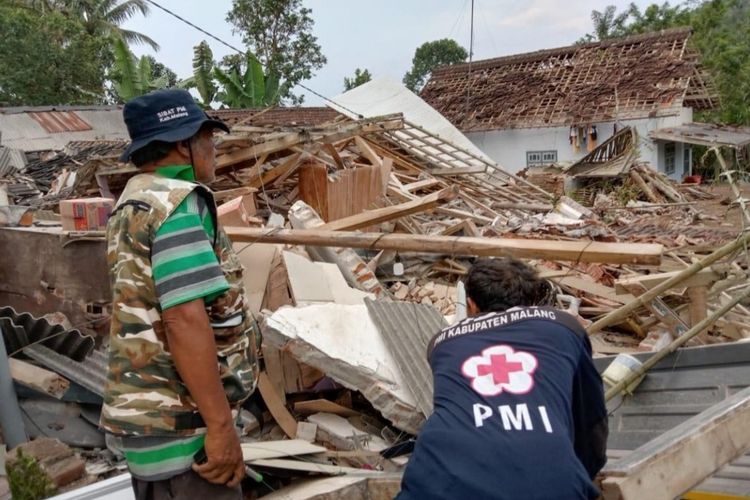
[[144, 395]]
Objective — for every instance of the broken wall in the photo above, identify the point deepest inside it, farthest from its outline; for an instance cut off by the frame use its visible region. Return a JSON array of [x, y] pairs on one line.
[[509, 147], [51, 271]]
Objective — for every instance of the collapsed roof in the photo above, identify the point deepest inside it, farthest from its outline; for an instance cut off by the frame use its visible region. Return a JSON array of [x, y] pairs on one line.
[[653, 74]]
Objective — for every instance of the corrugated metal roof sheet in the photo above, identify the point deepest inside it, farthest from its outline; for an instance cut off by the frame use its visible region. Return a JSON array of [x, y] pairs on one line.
[[682, 385], [21, 131], [705, 134], [11, 160], [22, 329], [56, 122], [407, 329], [90, 373]]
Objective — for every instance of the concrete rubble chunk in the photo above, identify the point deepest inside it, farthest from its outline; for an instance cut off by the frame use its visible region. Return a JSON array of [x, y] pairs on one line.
[[343, 342], [56, 459], [339, 432]]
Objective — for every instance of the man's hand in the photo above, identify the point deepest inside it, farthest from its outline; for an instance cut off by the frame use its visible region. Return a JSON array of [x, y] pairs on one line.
[[224, 464], [191, 342]]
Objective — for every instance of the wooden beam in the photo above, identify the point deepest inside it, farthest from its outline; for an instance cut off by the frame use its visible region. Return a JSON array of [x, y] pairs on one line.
[[38, 378], [703, 278], [367, 151], [284, 168], [457, 171], [379, 215], [423, 184], [583, 251], [625, 311], [681, 458], [276, 406]]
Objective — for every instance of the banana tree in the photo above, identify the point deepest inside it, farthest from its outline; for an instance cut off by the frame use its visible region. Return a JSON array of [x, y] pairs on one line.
[[131, 76], [203, 76], [253, 89]]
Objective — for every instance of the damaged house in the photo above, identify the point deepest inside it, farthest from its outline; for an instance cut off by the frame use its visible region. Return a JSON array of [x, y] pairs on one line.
[[557, 105]]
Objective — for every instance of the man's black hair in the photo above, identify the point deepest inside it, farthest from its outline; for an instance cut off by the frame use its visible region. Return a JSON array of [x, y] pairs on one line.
[[496, 285], [154, 151]]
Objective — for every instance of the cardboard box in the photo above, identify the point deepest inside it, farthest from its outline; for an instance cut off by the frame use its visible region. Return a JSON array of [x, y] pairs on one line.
[[86, 214], [234, 212]]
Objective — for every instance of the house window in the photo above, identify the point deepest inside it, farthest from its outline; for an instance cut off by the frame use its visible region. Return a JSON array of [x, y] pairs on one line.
[[669, 158], [535, 158]]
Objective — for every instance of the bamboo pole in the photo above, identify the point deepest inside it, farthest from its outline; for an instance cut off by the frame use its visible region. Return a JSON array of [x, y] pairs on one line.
[[576, 251], [624, 311], [735, 190], [676, 343]]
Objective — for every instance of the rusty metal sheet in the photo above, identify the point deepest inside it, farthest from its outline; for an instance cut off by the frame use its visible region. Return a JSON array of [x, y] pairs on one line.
[[56, 122]]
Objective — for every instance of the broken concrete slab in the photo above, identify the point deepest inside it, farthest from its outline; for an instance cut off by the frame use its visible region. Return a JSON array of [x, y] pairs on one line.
[[340, 488], [319, 282], [339, 432], [342, 341]]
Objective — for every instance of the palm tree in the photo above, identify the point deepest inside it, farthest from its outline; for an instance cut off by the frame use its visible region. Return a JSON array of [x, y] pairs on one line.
[[607, 24], [104, 17]]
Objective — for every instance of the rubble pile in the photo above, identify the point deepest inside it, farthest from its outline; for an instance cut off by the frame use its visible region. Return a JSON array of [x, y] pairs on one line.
[[328, 218]]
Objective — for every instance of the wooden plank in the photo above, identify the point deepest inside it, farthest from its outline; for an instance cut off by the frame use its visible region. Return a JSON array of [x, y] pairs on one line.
[[583, 251], [457, 171], [423, 184], [684, 456], [593, 288], [264, 148], [278, 449], [703, 278], [324, 406], [368, 152], [284, 168], [38, 378], [276, 406], [379, 215], [327, 469]]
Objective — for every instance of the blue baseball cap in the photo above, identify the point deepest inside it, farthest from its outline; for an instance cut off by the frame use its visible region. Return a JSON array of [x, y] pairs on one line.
[[170, 115]]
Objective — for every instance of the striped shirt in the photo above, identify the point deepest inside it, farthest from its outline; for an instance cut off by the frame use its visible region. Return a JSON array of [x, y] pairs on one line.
[[156, 458], [185, 268], [184, 264]]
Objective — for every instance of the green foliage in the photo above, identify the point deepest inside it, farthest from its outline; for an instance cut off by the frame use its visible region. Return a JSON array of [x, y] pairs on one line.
[[248, 88], [721, 33], [360, 77], [429, 56], [279, 32], [27, 480], [104, 17], [133, 77], [203, 64], [49, 59]]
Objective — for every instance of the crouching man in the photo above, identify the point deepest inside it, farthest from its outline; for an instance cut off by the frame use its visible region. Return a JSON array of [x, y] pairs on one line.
[[519, 408]]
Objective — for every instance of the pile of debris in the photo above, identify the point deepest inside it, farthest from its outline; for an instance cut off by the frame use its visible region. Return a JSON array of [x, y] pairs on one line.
[[355, 235]]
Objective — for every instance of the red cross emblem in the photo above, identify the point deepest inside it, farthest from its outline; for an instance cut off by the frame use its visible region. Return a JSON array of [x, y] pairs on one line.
[[500, 369]]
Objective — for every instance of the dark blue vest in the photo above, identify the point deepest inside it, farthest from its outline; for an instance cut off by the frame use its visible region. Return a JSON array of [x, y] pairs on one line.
[[512, 391]]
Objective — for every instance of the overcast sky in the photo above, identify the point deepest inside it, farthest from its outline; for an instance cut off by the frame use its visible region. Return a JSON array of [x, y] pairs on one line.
[[381, 36]]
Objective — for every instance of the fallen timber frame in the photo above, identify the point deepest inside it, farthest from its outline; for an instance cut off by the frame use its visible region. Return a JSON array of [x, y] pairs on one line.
[[584, 251]]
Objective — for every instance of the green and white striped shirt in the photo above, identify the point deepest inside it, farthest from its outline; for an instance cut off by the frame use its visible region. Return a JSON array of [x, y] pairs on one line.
[[185, 268]]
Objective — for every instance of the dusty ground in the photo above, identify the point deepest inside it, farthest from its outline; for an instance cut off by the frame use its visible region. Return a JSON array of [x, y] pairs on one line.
[[728, 216]]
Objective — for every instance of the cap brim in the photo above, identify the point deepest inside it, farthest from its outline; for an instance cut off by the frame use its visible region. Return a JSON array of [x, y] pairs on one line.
[[174, 135]]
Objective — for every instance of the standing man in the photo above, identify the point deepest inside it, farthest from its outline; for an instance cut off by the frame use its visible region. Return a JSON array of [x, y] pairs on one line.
[[182, 346], [519, 407]]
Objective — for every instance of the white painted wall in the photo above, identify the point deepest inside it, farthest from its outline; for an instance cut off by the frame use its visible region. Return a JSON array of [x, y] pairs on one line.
[[509, 147]]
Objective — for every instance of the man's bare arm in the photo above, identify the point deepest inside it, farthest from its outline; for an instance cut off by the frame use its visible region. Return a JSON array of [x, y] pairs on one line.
[[192, 345]]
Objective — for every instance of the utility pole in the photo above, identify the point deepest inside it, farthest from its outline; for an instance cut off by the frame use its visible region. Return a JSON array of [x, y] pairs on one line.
[[471, 57]]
